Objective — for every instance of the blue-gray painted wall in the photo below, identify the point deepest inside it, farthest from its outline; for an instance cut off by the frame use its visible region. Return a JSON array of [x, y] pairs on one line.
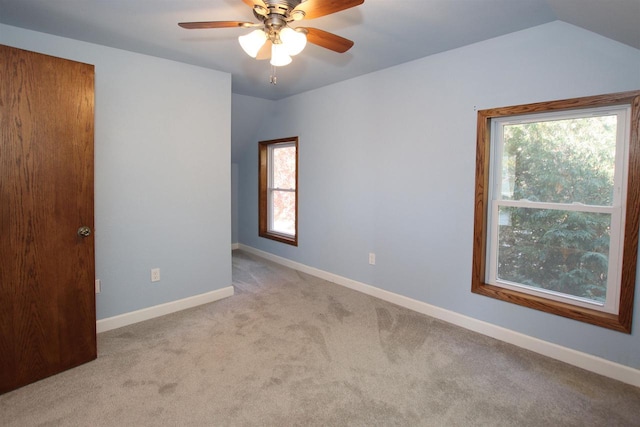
[[387, 165]]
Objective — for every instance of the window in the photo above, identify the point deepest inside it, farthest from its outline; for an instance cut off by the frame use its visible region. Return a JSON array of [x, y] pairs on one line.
[[278, 190], [557, 207]]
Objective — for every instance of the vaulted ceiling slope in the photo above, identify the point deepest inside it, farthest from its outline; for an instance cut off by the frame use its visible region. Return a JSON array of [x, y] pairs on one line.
[[386, 32]]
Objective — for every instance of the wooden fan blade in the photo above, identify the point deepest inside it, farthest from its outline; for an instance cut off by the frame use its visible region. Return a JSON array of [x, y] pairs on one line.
[[214, 24], [252, 3], [265, 51], [328, 40], [317, 8]]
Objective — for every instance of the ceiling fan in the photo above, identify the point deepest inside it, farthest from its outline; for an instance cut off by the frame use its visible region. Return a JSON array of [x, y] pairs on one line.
[[274, 39]]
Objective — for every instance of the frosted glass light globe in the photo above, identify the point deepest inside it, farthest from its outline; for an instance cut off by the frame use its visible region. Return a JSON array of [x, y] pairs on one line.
[[295, 41], [252, 42], [279, 55]]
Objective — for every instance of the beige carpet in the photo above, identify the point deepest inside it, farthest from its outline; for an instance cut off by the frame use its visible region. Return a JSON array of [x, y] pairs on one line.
[[293, 350]]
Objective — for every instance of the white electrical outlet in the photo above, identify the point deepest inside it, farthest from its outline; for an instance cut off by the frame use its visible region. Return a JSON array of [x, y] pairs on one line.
[[155, 274], [98, 286], [372, 258]]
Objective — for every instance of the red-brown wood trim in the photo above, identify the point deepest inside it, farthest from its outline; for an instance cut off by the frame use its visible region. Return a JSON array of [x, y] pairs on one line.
[[620, 322]]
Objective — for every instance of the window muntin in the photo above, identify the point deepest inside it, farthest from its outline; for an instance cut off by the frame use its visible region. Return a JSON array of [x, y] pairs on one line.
[[500, 205], [278, 189], [554, 210]]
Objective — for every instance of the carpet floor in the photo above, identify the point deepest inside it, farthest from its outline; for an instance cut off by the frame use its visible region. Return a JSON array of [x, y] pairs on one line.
[[289, 349]]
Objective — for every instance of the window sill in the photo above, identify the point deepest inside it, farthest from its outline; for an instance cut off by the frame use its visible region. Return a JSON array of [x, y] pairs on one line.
[[289, 240], [594, 317]]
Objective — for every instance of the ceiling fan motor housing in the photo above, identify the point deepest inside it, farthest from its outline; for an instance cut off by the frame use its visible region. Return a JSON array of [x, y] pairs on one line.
[[279, 8], [276, 16]]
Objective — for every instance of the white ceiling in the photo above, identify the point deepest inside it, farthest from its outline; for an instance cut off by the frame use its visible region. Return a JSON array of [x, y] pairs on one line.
[[385, 32]]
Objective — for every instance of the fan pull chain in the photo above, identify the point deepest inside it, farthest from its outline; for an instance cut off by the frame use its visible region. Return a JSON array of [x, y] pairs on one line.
[[272, 78]]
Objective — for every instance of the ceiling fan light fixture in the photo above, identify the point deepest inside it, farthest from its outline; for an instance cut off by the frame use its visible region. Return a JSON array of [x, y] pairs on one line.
[[279, 55], [295, 41], [252, 42]]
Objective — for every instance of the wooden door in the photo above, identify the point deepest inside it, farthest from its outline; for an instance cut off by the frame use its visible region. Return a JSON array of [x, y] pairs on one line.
[[47, 271]]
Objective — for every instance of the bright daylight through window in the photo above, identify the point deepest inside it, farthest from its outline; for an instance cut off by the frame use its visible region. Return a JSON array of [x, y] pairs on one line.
[[278, 190], [559, 222]]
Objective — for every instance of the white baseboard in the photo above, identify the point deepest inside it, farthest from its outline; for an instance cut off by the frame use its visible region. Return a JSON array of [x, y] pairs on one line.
[[582, 360], [235, 246], [130, 318]]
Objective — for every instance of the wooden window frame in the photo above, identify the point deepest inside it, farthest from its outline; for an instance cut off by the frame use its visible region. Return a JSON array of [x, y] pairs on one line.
[[623, 319], [263, 198]]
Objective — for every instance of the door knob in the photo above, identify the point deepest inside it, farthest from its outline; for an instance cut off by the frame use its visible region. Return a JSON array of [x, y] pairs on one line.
[[84, 231]]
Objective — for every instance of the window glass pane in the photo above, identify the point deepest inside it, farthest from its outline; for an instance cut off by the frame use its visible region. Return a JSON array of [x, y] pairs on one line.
[[557, 250], [284, 212], [284, 167], [560, 161]]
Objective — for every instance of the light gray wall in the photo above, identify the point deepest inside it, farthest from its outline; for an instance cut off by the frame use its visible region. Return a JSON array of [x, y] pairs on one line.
[[162, 173], [249, 115], [387, 165]]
